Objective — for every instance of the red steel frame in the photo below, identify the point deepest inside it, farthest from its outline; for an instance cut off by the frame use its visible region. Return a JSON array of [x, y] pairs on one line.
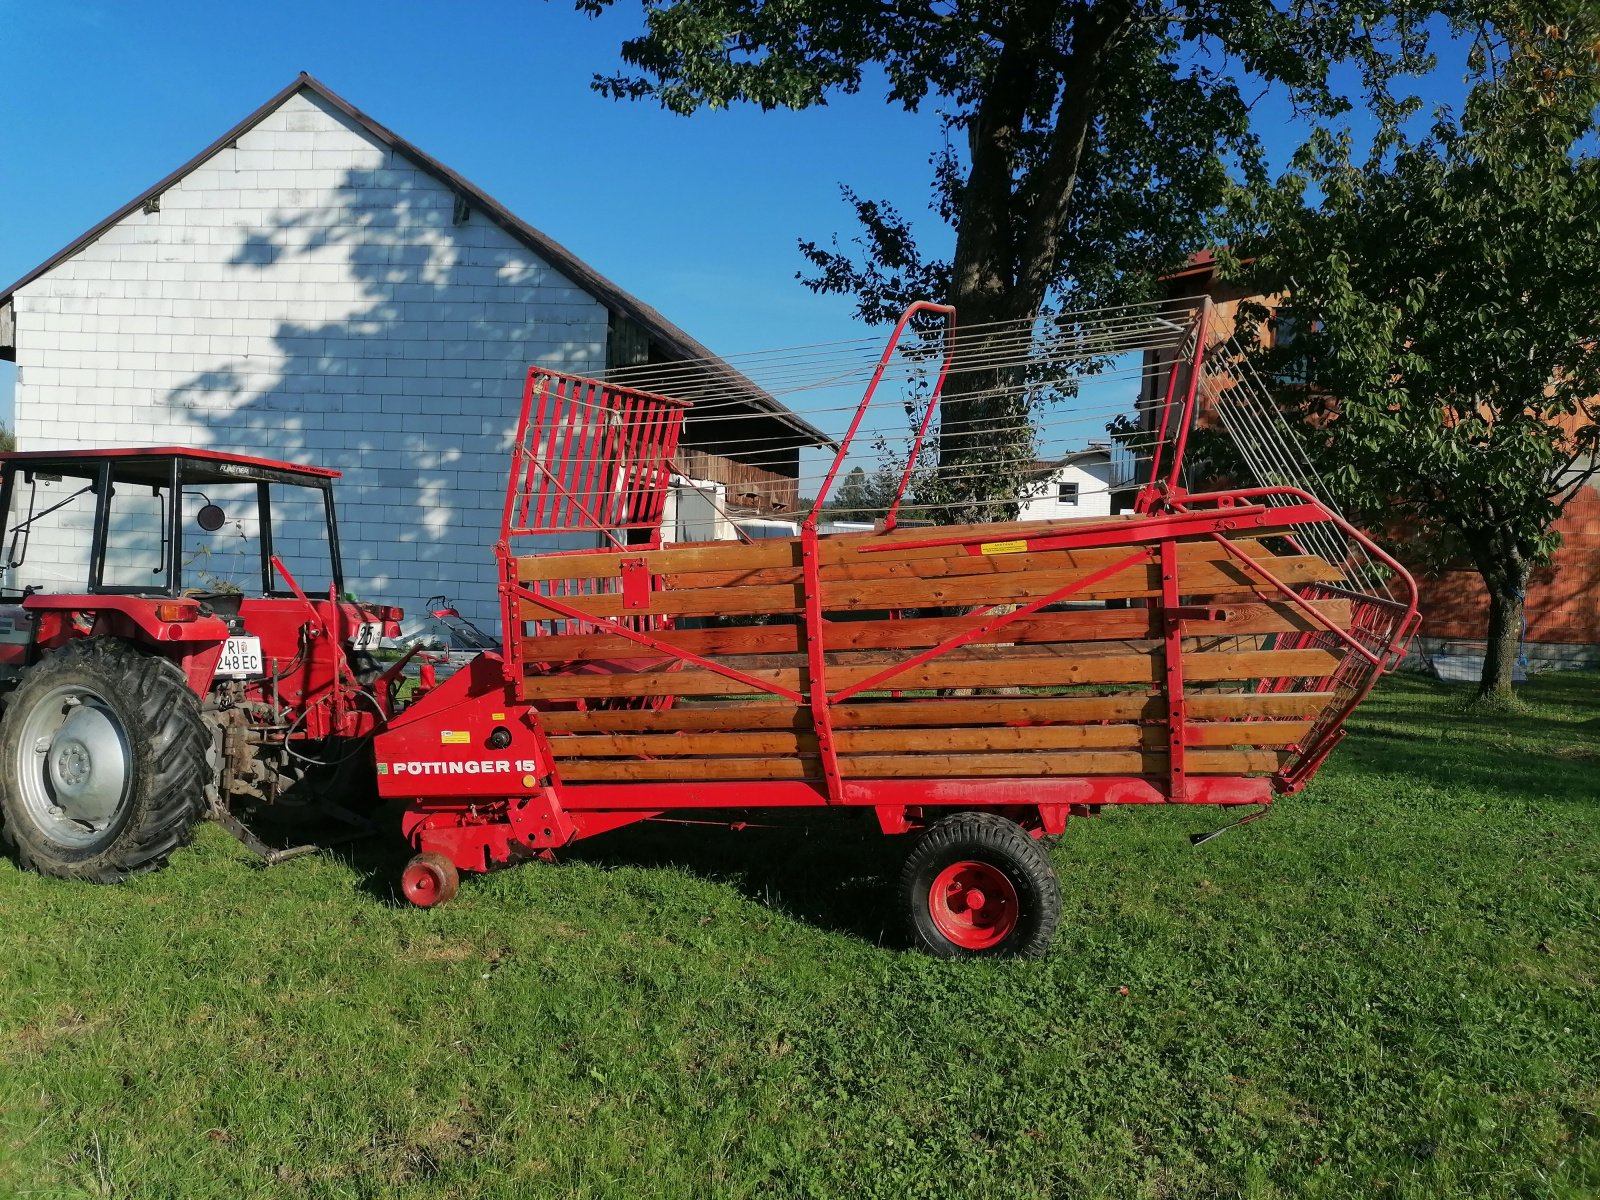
[[574, 473]]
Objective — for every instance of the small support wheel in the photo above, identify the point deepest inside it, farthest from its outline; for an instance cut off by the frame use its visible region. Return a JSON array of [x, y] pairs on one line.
[[429, 879], [976, 885]]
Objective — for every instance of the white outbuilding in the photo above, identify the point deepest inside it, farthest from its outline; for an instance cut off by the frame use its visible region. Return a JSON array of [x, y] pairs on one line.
[[1080, 484]]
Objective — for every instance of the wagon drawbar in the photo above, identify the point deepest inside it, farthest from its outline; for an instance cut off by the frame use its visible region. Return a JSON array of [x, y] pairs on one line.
[[975, 686]]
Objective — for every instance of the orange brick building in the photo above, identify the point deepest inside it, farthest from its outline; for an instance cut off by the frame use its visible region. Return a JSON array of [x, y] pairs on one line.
[[1563, 604]]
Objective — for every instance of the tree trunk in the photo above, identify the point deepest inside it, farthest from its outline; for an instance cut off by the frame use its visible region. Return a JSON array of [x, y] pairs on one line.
[[1007, 251], [1505, 639], [1505, 567]]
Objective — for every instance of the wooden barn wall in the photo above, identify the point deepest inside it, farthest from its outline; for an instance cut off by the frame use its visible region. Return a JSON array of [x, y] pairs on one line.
[[749, 455]]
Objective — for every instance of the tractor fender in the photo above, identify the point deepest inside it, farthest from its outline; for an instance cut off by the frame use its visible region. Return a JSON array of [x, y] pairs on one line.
[[194, 642], [134, 618]]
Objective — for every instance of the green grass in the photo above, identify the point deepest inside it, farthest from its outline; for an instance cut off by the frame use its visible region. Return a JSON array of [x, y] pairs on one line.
[[1387, 988]]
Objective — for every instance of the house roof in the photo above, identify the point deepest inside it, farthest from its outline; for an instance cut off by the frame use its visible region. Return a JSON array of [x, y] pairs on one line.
[[674, 342], [1093, 450]]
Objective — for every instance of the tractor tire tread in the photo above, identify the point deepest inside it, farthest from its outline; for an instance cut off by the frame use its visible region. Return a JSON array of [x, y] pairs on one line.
[[155, 696]]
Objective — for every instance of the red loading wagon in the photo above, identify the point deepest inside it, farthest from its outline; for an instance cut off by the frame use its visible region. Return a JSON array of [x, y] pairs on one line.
[[975, 686]]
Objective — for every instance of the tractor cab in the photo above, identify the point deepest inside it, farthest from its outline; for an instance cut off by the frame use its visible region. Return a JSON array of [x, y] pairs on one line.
[[246, 551], [165, 523]]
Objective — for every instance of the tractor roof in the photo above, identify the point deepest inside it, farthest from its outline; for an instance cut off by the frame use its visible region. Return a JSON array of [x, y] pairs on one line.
[[224, 466]]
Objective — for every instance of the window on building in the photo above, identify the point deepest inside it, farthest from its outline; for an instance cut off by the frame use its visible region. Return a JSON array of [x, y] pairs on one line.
[[1295, 338], [1067, 493]]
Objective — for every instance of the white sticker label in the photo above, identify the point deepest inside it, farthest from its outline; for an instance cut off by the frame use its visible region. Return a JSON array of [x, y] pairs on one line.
[[368, 635]]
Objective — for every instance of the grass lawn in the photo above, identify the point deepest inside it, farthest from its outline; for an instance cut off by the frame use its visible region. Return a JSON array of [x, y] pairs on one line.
[[1387, 988]]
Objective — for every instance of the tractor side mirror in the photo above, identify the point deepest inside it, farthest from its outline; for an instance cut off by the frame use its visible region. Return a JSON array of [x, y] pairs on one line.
[[210, 518]]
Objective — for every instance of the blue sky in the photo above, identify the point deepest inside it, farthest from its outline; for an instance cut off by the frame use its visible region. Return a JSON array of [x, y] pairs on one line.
[[698, 216]]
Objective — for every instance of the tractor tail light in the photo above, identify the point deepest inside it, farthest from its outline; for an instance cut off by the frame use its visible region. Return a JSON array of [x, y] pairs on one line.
[[176, 612]]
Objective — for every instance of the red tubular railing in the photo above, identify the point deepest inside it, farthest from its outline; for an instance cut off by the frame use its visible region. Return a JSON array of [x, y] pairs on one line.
[[922, 306], [591, 458]]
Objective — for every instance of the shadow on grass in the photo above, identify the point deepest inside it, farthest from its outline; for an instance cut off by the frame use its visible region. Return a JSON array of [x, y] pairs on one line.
[[833, 869], [828, 868], [1432, 733]]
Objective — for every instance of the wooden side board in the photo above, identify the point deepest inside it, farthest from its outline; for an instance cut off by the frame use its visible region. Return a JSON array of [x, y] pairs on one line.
[[922, 766], [1101, 625], [733, 729], [784, 552], [953, 713], [922, 741], [1011, 671], [1201, 577]]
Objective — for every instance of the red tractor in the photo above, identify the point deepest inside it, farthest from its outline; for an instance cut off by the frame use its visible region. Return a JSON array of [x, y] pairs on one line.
[[173, 641]]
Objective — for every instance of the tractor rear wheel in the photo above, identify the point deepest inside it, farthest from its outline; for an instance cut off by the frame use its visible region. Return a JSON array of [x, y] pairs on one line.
[[976, 885], [102, 762]]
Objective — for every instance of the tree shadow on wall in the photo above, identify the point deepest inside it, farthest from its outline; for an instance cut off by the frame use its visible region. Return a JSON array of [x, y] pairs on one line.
[[405, 366]]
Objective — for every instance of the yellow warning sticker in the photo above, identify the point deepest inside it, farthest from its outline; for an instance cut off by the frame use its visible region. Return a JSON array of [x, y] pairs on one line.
[[454, 737], [497, 716], [1003, 547]]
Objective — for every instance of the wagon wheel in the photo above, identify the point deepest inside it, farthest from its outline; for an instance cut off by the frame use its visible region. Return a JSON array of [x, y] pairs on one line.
[[976, 885], [429, 879]]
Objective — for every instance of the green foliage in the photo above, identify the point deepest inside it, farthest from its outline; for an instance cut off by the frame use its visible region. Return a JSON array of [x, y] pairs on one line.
[[8, 439], [1455, 277], [1387, 988], [1086, 144], [862, 497]]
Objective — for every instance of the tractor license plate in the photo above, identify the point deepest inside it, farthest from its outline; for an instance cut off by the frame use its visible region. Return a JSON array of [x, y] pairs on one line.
[[368, 635], [241, 656]]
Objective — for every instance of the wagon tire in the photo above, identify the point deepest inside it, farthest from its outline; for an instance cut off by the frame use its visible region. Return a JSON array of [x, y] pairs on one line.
[[430, 879], [102, 762], [976, 885]]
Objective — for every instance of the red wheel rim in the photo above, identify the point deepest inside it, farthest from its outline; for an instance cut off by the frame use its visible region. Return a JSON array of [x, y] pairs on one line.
[[423, 884], [973, 904]]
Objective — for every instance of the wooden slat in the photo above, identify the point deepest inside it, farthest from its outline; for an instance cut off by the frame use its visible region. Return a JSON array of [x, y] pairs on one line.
[[1201, 578], [898, 741], [778, 552], [924, 766], [864, 567], [940, 713], [766, 562], [1064, 671], [1109, 624]]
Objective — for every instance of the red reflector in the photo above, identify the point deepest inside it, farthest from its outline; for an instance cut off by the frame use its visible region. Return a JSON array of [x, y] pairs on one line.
[[176, 612]]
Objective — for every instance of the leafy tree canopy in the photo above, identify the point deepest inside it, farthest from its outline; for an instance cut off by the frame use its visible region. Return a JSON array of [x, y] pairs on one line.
[[1087, 143], [1454, 279]]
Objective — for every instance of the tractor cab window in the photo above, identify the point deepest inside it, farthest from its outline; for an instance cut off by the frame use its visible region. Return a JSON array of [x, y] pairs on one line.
[[300, 536], [231, 531], [137, 535], [221, 529], [49, 531]]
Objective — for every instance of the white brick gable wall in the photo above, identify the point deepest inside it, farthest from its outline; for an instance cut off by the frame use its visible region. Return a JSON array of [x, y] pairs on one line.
[[307, 295]]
